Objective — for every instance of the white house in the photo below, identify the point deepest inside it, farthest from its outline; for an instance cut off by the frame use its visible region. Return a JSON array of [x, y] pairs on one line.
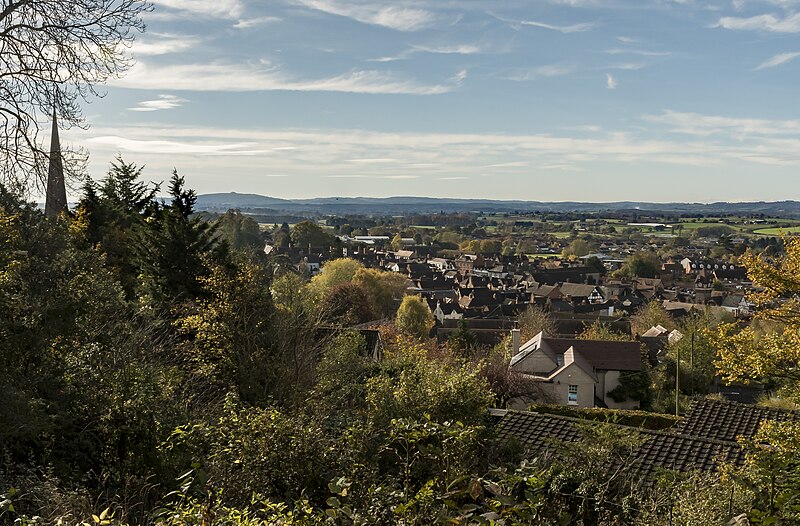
[[578, 372], [448, 311]]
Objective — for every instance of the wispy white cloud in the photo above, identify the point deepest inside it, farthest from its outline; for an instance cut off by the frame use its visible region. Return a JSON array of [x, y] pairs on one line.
[[163, 102], [559, 166], [458, 49], [163, 44], [175, 147], [510, 164], [777, 60], [460, 76], [379, 160], [370, 176], [641, 52], [320, 158], [206, 8], [767, 22], [735, 127], [548, 70], [786, 4], [571, 28], [464, 154], [628, 40], [590, 128], [261, 77], [629, 66], [376, 13], [611, 81], [577, 3], [246, 23], [574, 28], [401, 56]]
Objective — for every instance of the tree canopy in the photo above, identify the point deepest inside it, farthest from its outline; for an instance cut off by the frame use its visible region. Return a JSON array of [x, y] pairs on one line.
[[643, 264], [770, 345], [414, 317], [309, 234]]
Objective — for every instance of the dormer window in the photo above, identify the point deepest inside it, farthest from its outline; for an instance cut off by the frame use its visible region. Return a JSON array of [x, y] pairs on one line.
[[560, 360]]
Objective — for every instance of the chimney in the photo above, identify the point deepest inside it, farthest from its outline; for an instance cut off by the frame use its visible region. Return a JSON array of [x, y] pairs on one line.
[[514, 342]]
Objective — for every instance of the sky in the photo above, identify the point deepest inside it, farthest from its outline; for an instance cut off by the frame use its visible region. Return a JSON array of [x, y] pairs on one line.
[[552, 100]]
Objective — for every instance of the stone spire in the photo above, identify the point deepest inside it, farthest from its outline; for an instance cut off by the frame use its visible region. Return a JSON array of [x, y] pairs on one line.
[[56, 197]]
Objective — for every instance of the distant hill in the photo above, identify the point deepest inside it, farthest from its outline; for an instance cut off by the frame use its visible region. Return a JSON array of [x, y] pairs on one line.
[[410, 204], [235, 200]]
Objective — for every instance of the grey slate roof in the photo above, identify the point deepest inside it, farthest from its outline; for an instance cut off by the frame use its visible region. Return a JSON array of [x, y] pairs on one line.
[[724, 420], [661, 450], [602, 354], [664, 450], [537, 430]]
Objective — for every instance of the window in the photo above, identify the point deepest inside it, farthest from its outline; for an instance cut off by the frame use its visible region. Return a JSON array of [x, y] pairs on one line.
[[572, 395], [559, 360]]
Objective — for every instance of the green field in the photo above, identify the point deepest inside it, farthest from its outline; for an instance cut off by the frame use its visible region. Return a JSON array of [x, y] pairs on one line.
[[777, 231], [694, 225]]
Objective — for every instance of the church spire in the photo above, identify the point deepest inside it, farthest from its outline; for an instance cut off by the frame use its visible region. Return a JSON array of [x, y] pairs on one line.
[[56, 197]]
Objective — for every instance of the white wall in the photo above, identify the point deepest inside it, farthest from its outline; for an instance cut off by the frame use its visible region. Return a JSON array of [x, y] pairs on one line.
[[611, 381], [574, 375], [535, 363]]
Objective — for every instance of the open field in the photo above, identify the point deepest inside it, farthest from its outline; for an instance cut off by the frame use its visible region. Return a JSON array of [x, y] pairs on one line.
[[777, 231], [686, 227]]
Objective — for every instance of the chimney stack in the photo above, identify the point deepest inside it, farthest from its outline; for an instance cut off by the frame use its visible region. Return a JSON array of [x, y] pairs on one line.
[[514, 342]]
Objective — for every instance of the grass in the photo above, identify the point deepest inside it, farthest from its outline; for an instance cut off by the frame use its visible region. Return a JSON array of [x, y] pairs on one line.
[[694, 225], [777, 231]]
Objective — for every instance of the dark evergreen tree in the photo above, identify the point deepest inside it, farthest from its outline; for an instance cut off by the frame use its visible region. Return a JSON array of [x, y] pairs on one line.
[[117, 211], [173, 250]]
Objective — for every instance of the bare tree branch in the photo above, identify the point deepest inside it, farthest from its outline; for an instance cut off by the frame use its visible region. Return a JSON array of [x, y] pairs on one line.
[[53, 55]]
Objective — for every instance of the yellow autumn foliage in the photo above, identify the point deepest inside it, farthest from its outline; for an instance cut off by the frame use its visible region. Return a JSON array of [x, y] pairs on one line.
[[770, 345]]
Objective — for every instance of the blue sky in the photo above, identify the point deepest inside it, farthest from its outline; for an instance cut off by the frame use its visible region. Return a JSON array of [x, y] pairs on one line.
[[591, 100]]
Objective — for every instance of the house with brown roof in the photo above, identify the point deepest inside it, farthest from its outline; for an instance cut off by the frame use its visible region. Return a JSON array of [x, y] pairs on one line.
[[466, 262], [576, 372]]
